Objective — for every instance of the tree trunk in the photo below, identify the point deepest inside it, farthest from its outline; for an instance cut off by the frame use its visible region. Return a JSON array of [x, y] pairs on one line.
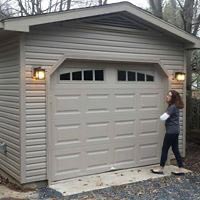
[[188, 15], [156, 7], [196, 25], [105, 2], [69, 4], [188, 89], [61, 5]]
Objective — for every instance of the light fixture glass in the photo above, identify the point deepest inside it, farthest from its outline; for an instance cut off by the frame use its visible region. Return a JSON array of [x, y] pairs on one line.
[[39, 73], [180, 76]]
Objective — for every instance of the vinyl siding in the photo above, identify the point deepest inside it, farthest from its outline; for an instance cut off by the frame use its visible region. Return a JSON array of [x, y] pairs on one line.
[[9, 106], [45, 45], [35, 155]]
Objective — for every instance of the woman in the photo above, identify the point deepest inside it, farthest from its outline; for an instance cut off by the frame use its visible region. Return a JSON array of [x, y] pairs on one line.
[[171, 118]]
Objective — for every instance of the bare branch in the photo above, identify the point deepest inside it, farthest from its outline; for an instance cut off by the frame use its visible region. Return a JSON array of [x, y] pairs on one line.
[[23, 10], [180, 4]]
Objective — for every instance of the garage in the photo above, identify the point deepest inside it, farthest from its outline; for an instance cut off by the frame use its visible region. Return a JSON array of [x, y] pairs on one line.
[[105, 117], [82, 91]]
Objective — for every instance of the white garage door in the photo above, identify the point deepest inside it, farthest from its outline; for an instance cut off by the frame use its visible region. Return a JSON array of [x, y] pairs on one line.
[[104, 117]]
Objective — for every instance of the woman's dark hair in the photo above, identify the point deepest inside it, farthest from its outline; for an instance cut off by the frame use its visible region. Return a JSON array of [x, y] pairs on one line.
[[176, 99]]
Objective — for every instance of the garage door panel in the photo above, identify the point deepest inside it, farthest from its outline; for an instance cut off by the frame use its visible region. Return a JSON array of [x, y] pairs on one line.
[[66, 90], [149, 153], [94, 143], [148, 125], [96, 118], [124, 128], [66, 163], [97, 131], [124, 155], [149, 100], [68, 103], [148, 138], [102, 125], [124, 116], [97, 158], [66, 119], [124, 102], [59, 176], [124, 151], [97, 102], [68, 134], [124, 142], [148, 114]]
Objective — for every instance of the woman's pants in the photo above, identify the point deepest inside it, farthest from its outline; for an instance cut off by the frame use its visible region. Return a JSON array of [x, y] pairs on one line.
[[170, 140]]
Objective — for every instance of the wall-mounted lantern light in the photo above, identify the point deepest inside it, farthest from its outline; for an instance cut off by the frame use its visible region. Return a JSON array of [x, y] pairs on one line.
[[38, 73], [180, 76]]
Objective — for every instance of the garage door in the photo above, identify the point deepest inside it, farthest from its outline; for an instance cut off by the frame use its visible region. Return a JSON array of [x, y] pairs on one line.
[[104, 117]]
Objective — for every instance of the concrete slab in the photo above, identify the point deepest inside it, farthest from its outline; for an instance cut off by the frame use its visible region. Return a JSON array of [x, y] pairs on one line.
[[108, 179]]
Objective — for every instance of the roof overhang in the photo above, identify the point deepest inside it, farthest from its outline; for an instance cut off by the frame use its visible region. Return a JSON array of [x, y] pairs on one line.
[[23, 24]]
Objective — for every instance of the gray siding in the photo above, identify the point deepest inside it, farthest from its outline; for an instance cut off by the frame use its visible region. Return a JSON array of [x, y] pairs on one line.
[[45, 45], [36, 164], [9, 106]]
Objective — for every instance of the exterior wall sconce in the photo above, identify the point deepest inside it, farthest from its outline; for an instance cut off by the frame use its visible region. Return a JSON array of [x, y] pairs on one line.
[[180, 76], [38, 73]]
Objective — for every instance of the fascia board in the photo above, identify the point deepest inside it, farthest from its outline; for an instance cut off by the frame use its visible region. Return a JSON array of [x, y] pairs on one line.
[[23, 24]]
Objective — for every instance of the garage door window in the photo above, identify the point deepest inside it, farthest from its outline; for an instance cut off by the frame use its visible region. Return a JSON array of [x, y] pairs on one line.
[[77, 76], [65, 76], [83, 75], [149, 78], [134, 76], [131, 76]]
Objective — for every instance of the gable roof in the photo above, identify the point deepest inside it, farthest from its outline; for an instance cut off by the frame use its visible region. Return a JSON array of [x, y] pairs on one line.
[[23, 24]]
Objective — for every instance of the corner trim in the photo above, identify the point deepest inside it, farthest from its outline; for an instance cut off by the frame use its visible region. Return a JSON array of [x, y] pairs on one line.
[[22, 110]]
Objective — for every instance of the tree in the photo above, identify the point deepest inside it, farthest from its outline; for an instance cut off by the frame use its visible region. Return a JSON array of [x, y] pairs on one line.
[[156, 7], [102, 2], [34, 7], [5, 9], [188, 10]]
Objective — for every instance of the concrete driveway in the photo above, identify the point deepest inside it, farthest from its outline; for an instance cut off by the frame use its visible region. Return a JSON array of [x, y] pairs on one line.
[[109, 179]]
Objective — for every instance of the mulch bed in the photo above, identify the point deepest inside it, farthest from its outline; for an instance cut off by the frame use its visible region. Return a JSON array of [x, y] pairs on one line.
[[192, 159]]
